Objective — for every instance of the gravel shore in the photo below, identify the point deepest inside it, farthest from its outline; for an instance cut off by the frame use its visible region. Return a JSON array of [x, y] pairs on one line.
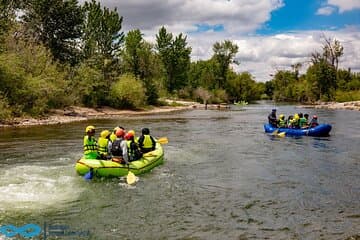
[[353, 105]]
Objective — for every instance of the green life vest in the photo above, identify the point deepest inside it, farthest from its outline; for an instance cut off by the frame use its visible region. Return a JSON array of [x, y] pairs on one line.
[[90, 147], [282, 123], [302, 122]]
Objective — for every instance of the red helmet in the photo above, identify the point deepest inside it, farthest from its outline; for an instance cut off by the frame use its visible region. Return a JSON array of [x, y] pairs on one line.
[[129, 136], [120, 133]]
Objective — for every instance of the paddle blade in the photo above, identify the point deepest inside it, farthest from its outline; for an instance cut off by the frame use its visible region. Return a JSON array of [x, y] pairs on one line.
[[275, 132], [130, 178], [282, 134], [163, 140], [89, 175]]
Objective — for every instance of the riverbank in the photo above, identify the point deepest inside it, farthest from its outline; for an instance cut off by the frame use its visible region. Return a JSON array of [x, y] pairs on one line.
[[75, 113], [353, 105]]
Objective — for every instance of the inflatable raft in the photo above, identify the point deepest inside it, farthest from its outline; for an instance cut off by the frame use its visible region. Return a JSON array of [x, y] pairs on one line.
[[322, 130], [108, 168]]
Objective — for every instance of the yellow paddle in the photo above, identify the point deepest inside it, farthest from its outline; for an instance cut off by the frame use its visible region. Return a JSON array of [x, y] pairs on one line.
[[275, 132], [282, 134], [130, 178], [163, 140]]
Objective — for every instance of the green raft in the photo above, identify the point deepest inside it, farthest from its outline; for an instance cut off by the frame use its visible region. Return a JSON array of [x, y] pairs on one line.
[[108, 168]]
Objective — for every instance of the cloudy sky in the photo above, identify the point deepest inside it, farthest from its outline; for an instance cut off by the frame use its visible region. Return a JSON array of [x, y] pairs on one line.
[[271, 34]]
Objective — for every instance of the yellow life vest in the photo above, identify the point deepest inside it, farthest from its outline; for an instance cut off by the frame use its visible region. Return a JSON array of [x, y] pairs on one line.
[[103, 145], [147, 143], [112, 137]]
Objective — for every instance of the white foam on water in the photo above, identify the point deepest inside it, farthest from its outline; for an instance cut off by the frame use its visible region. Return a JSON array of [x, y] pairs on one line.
[[37, 187]]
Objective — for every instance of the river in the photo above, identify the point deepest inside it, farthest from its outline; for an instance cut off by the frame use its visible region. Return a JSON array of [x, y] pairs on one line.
[[223, 178]]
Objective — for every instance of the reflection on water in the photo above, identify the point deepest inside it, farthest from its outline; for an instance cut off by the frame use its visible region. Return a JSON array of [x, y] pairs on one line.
[[223, 178]]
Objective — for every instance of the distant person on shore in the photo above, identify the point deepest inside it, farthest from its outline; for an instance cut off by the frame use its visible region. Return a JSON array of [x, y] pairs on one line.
[[104, 145], [146, 142], [314, 121], [90, 144], [119, 148], [272, 118]]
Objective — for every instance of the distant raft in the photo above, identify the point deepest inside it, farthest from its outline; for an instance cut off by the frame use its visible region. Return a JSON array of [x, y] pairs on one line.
[[108, 168], [322, 130]]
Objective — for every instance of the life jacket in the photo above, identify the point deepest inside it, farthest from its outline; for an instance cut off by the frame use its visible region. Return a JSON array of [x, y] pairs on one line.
[[302, 122], [146, 143], [112, 137], [116, 148], [134, 151], [90, 147], [314, 123], [103, 146], [282, 123]]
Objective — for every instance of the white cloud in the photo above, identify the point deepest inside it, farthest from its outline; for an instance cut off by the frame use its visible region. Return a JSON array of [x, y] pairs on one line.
[[259, 55], [345, 5], [328, 10]]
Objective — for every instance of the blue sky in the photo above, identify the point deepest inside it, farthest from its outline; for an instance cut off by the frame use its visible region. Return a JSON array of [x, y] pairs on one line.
[[298, 15]]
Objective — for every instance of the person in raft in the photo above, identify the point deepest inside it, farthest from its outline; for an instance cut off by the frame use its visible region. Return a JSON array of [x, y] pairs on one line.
[[104, 145], [133, 148], [146, 142], [272, 118], [113, 134], [282, 121], [119, 148], [314, 121], [90, 144]]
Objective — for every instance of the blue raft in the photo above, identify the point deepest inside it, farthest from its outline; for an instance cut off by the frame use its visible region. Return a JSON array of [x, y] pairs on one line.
[[322, 130]]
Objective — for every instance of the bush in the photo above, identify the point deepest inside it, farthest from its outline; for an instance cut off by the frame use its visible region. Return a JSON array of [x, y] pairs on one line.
[[30, 80], [127, 93], [348, 96], [5, 112], [89, 87]]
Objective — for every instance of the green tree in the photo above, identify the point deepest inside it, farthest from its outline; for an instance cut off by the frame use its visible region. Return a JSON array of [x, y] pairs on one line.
[[175, 57], [321, 78], [242, 87], [224, 55], [56, 24], [140, 60], [102, 36], [132, 53], [7, 14], [203, 73]]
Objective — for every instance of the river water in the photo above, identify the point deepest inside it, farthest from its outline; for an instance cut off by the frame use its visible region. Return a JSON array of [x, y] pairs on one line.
[[223, 178]]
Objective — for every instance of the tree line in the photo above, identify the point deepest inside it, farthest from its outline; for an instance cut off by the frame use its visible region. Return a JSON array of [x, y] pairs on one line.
[[57, 53]]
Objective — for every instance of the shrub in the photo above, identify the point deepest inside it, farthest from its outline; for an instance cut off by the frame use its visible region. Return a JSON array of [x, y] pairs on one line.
[[5, 112], [348, 96], [127, 92]]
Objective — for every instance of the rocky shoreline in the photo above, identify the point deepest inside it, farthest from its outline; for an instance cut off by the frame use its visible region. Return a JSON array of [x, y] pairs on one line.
[[75, 113], [353, 105]]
